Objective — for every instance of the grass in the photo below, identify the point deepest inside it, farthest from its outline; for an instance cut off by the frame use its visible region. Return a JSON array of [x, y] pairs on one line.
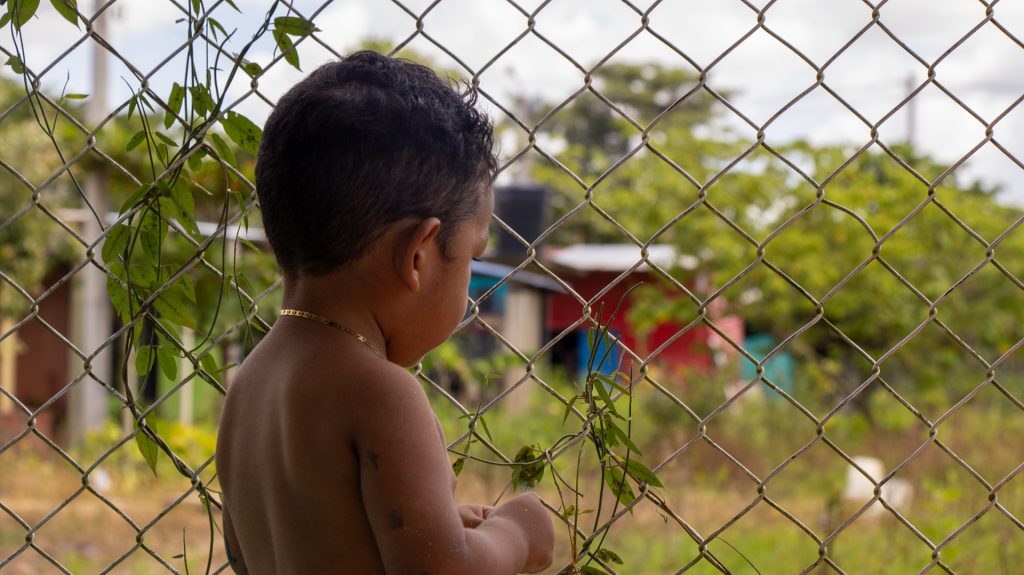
[[87, 535], [707, 489]]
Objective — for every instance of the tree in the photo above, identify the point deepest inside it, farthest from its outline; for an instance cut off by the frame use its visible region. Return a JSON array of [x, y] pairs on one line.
[[732, 206], [922, 256], [29, 244], [658, 181]]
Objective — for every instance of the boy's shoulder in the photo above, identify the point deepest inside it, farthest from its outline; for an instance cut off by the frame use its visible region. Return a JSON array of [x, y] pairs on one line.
[[306, 400], [330, 385]]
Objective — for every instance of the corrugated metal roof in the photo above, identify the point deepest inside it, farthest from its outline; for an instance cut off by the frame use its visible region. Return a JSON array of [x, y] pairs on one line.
[[618, 257], [496, 270]]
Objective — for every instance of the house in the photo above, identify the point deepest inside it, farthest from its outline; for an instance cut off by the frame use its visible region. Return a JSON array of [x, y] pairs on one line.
[[591, 268]]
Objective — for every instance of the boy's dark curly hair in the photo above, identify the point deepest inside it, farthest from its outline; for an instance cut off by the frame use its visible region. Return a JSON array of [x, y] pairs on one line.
[[362, 143]]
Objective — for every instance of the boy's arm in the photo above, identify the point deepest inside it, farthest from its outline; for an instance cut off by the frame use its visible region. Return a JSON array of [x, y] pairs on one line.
[[231, 546], [473, 514], [407, 489]]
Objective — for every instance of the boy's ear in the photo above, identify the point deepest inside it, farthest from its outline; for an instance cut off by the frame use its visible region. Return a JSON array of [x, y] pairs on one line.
[[418, 251]]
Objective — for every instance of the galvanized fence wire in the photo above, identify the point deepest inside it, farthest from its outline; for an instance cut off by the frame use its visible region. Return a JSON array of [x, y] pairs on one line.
[[207, 262]]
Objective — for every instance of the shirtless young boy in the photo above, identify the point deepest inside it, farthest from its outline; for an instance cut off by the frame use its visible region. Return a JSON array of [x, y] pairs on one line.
[[374, 181]]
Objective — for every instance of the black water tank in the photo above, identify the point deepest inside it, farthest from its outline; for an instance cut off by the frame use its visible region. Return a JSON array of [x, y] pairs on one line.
[[524, 207]]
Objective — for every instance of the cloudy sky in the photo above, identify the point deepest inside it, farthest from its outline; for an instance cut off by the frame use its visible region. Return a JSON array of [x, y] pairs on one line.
[[986, 72]]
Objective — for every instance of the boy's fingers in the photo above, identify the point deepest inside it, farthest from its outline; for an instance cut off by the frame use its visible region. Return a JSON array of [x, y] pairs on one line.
[[472, 515]]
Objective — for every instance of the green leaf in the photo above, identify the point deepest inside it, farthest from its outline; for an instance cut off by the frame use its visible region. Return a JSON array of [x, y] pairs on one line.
[[252, 69], [610, 380], [183, 207], [133, 199], [165, 139], [483, 425], [568, 408], [257, 249], [136, 139], [284, 43], [131, 106], [608, 556], [223, 150], [617, 483], [144, 357], [173, 306], [202, 103], [167, 206], [197, 6], [294, 26], [569, 512], [209, 365], [608, 436], [457, 466], [116, 241], [74, 96], [606, 398], [119, 297], [21, 11], [4, 19], [240, 200], [243, 282], [162, 153], [243, 132], [528, 468], [137, 329], [182, 197], [147, 447], [66, 8], [15, 63], [195, 161], [232, 4], [167, 357], [143, 275], [622, 436], [640, 472], [174, 104], [149, 235], [145, 103], [187, 288], [216, 28]]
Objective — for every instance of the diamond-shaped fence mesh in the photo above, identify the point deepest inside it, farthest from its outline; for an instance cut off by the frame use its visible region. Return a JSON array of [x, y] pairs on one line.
[[806, 214]]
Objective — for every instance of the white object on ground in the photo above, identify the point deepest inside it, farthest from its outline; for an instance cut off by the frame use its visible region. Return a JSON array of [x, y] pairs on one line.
[[859, 489]]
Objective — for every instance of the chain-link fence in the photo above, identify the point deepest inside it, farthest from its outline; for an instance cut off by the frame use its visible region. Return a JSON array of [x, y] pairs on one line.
[[804, 216]]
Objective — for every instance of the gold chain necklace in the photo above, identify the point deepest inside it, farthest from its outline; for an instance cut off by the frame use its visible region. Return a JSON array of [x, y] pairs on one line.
[[335, 325]]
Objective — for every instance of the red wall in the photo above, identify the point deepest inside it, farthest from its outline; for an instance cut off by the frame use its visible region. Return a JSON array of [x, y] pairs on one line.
[[42, 365], [690, 349]]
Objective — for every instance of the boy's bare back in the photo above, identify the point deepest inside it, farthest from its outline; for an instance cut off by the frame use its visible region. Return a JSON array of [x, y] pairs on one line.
[[329, 456], [287, 456]]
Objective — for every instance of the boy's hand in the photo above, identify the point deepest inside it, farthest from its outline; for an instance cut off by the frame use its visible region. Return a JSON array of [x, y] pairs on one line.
[[472, 514], [533, 518], [407, 487]]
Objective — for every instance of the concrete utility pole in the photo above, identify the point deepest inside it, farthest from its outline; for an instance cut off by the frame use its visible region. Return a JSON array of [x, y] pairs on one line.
[[93, 315], [911, 112]]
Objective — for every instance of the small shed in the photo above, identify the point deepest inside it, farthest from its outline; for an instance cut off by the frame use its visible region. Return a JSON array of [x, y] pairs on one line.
[[602, 274]]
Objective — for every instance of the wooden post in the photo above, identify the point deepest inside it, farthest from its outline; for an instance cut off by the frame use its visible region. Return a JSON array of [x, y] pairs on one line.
[[8, 364], [187, 393]]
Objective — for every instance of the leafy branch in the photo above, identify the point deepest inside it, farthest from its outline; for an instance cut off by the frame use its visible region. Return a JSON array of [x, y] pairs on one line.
[[145, 285]]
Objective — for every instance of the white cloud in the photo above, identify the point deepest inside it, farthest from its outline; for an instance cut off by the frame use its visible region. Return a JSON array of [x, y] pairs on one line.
[[762, 73]]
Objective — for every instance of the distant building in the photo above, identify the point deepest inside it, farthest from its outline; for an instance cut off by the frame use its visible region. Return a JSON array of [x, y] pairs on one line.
[[591, 268]]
